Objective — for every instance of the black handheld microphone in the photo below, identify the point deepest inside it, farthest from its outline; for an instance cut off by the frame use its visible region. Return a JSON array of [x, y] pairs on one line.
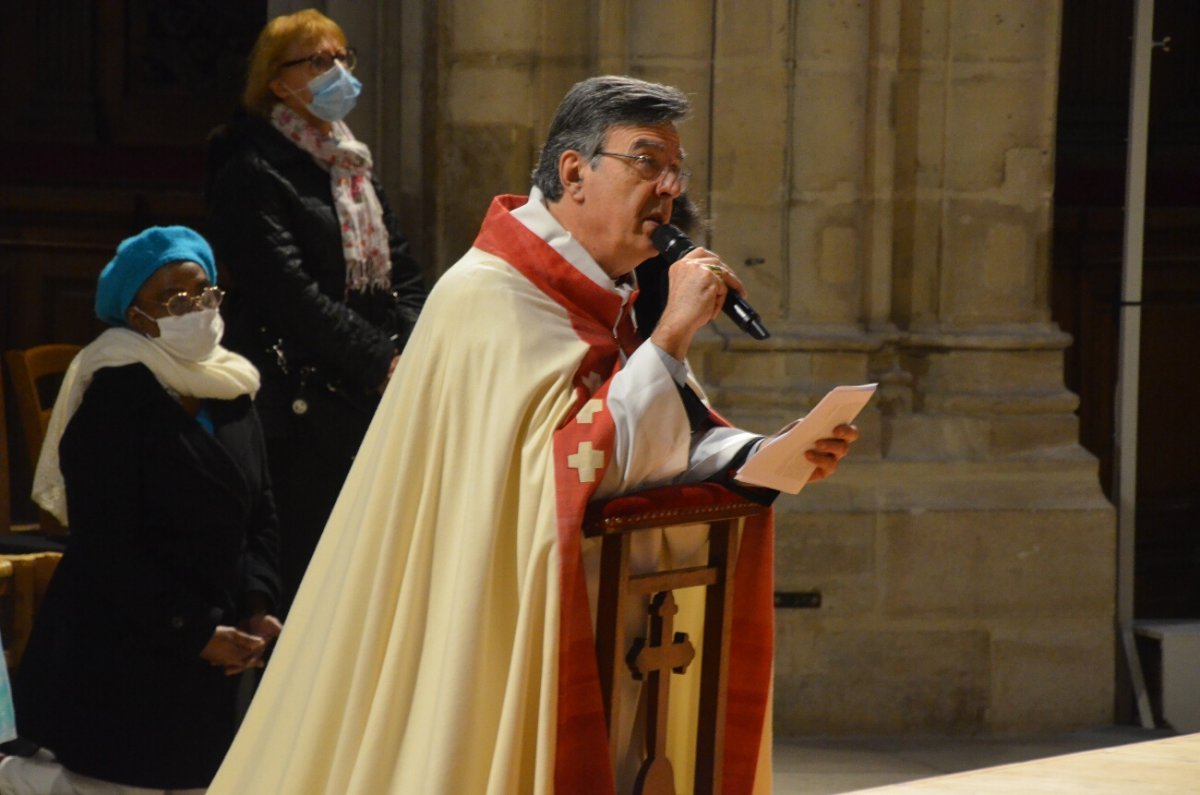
[[672, 243]]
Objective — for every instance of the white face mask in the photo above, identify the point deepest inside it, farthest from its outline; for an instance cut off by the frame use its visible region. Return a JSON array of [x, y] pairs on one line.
[[191, 337]]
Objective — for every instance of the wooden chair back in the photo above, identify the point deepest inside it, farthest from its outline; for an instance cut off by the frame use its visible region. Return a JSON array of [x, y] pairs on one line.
[[36, 375], [29, 369], [5, 467], [17, 537]]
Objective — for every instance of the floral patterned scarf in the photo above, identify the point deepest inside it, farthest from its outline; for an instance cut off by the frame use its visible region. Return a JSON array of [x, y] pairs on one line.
[[360, 215]]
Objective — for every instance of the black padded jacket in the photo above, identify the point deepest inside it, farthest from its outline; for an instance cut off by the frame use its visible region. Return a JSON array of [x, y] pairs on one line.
[[275, 232]]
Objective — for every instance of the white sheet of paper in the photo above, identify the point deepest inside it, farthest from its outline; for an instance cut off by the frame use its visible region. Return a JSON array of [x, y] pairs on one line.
[[779, 462]]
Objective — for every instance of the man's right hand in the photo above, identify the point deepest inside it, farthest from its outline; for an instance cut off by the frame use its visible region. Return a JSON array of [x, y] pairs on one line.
[[698, 283]]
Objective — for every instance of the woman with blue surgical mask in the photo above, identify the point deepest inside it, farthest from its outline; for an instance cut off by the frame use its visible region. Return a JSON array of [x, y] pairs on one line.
[[324, 293]]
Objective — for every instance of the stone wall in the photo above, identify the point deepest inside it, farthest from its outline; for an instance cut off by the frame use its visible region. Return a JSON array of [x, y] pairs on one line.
[[965, 556], [880, 173]]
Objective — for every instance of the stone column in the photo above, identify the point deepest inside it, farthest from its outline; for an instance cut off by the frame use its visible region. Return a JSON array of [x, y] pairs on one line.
[[899, 233], [501, 68]]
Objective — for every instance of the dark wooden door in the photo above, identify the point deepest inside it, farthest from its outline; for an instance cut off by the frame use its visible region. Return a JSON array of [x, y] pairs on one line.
[[1088, 228]]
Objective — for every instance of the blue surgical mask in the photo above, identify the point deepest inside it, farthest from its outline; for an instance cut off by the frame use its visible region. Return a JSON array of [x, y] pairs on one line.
[[334, 93]]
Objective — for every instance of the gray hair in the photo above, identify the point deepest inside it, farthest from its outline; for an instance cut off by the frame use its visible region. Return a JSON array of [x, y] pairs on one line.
[[593, 106]]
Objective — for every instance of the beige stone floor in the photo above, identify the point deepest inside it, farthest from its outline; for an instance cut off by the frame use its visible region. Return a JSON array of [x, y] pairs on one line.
[[823, 766]]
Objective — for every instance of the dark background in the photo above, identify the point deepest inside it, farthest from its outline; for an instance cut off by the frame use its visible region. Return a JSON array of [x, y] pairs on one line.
[[1088, 233]]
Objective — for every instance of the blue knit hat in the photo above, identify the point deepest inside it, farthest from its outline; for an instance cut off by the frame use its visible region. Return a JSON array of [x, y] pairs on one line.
[[138, 257]]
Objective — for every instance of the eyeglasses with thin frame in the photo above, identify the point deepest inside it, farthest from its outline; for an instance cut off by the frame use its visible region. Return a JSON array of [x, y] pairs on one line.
[[651, 170], [181, 304], [323, 61]]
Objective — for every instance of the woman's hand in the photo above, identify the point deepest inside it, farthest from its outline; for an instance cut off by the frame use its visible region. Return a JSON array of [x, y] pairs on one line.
[[260, 625], [233, 650], [264, 626]]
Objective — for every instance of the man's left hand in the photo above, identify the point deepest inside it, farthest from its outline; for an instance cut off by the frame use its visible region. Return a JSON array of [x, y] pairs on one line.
[[828, 452]]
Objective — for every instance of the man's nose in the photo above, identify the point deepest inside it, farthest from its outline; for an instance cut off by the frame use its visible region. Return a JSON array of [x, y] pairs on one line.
[[668, 185]]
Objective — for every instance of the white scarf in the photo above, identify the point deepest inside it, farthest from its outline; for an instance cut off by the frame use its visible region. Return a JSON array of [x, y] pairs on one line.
[[360, 215], [224, 375]]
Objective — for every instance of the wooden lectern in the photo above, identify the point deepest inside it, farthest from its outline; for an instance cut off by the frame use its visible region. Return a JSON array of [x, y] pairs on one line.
[[652, 659]]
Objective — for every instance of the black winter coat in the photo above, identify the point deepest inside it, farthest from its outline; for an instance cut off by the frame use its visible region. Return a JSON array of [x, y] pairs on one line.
[[171, 528], [322, 352], [273, 226]]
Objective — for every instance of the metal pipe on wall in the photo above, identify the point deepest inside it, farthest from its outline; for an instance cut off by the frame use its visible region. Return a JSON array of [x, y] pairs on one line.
[[1129, 345]]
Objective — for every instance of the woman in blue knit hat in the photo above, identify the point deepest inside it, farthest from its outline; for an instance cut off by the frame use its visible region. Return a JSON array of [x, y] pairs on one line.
[[154, 457]]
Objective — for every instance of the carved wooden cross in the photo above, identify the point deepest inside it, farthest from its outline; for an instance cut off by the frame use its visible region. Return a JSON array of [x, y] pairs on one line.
[[653, 661]]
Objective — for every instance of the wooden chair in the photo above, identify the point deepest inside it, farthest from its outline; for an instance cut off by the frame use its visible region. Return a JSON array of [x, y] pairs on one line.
[[23, 583], [6, 523], [5, 468], [36, 375], [652, 659]]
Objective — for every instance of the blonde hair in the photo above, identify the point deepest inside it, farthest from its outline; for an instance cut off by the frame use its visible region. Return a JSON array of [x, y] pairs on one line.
[[280, 33]]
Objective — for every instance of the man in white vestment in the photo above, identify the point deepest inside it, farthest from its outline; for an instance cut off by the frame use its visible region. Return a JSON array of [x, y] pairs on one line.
[[441, 641]]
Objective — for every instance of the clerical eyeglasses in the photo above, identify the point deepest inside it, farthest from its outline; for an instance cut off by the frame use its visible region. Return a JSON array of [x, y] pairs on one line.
[[651, 170]]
